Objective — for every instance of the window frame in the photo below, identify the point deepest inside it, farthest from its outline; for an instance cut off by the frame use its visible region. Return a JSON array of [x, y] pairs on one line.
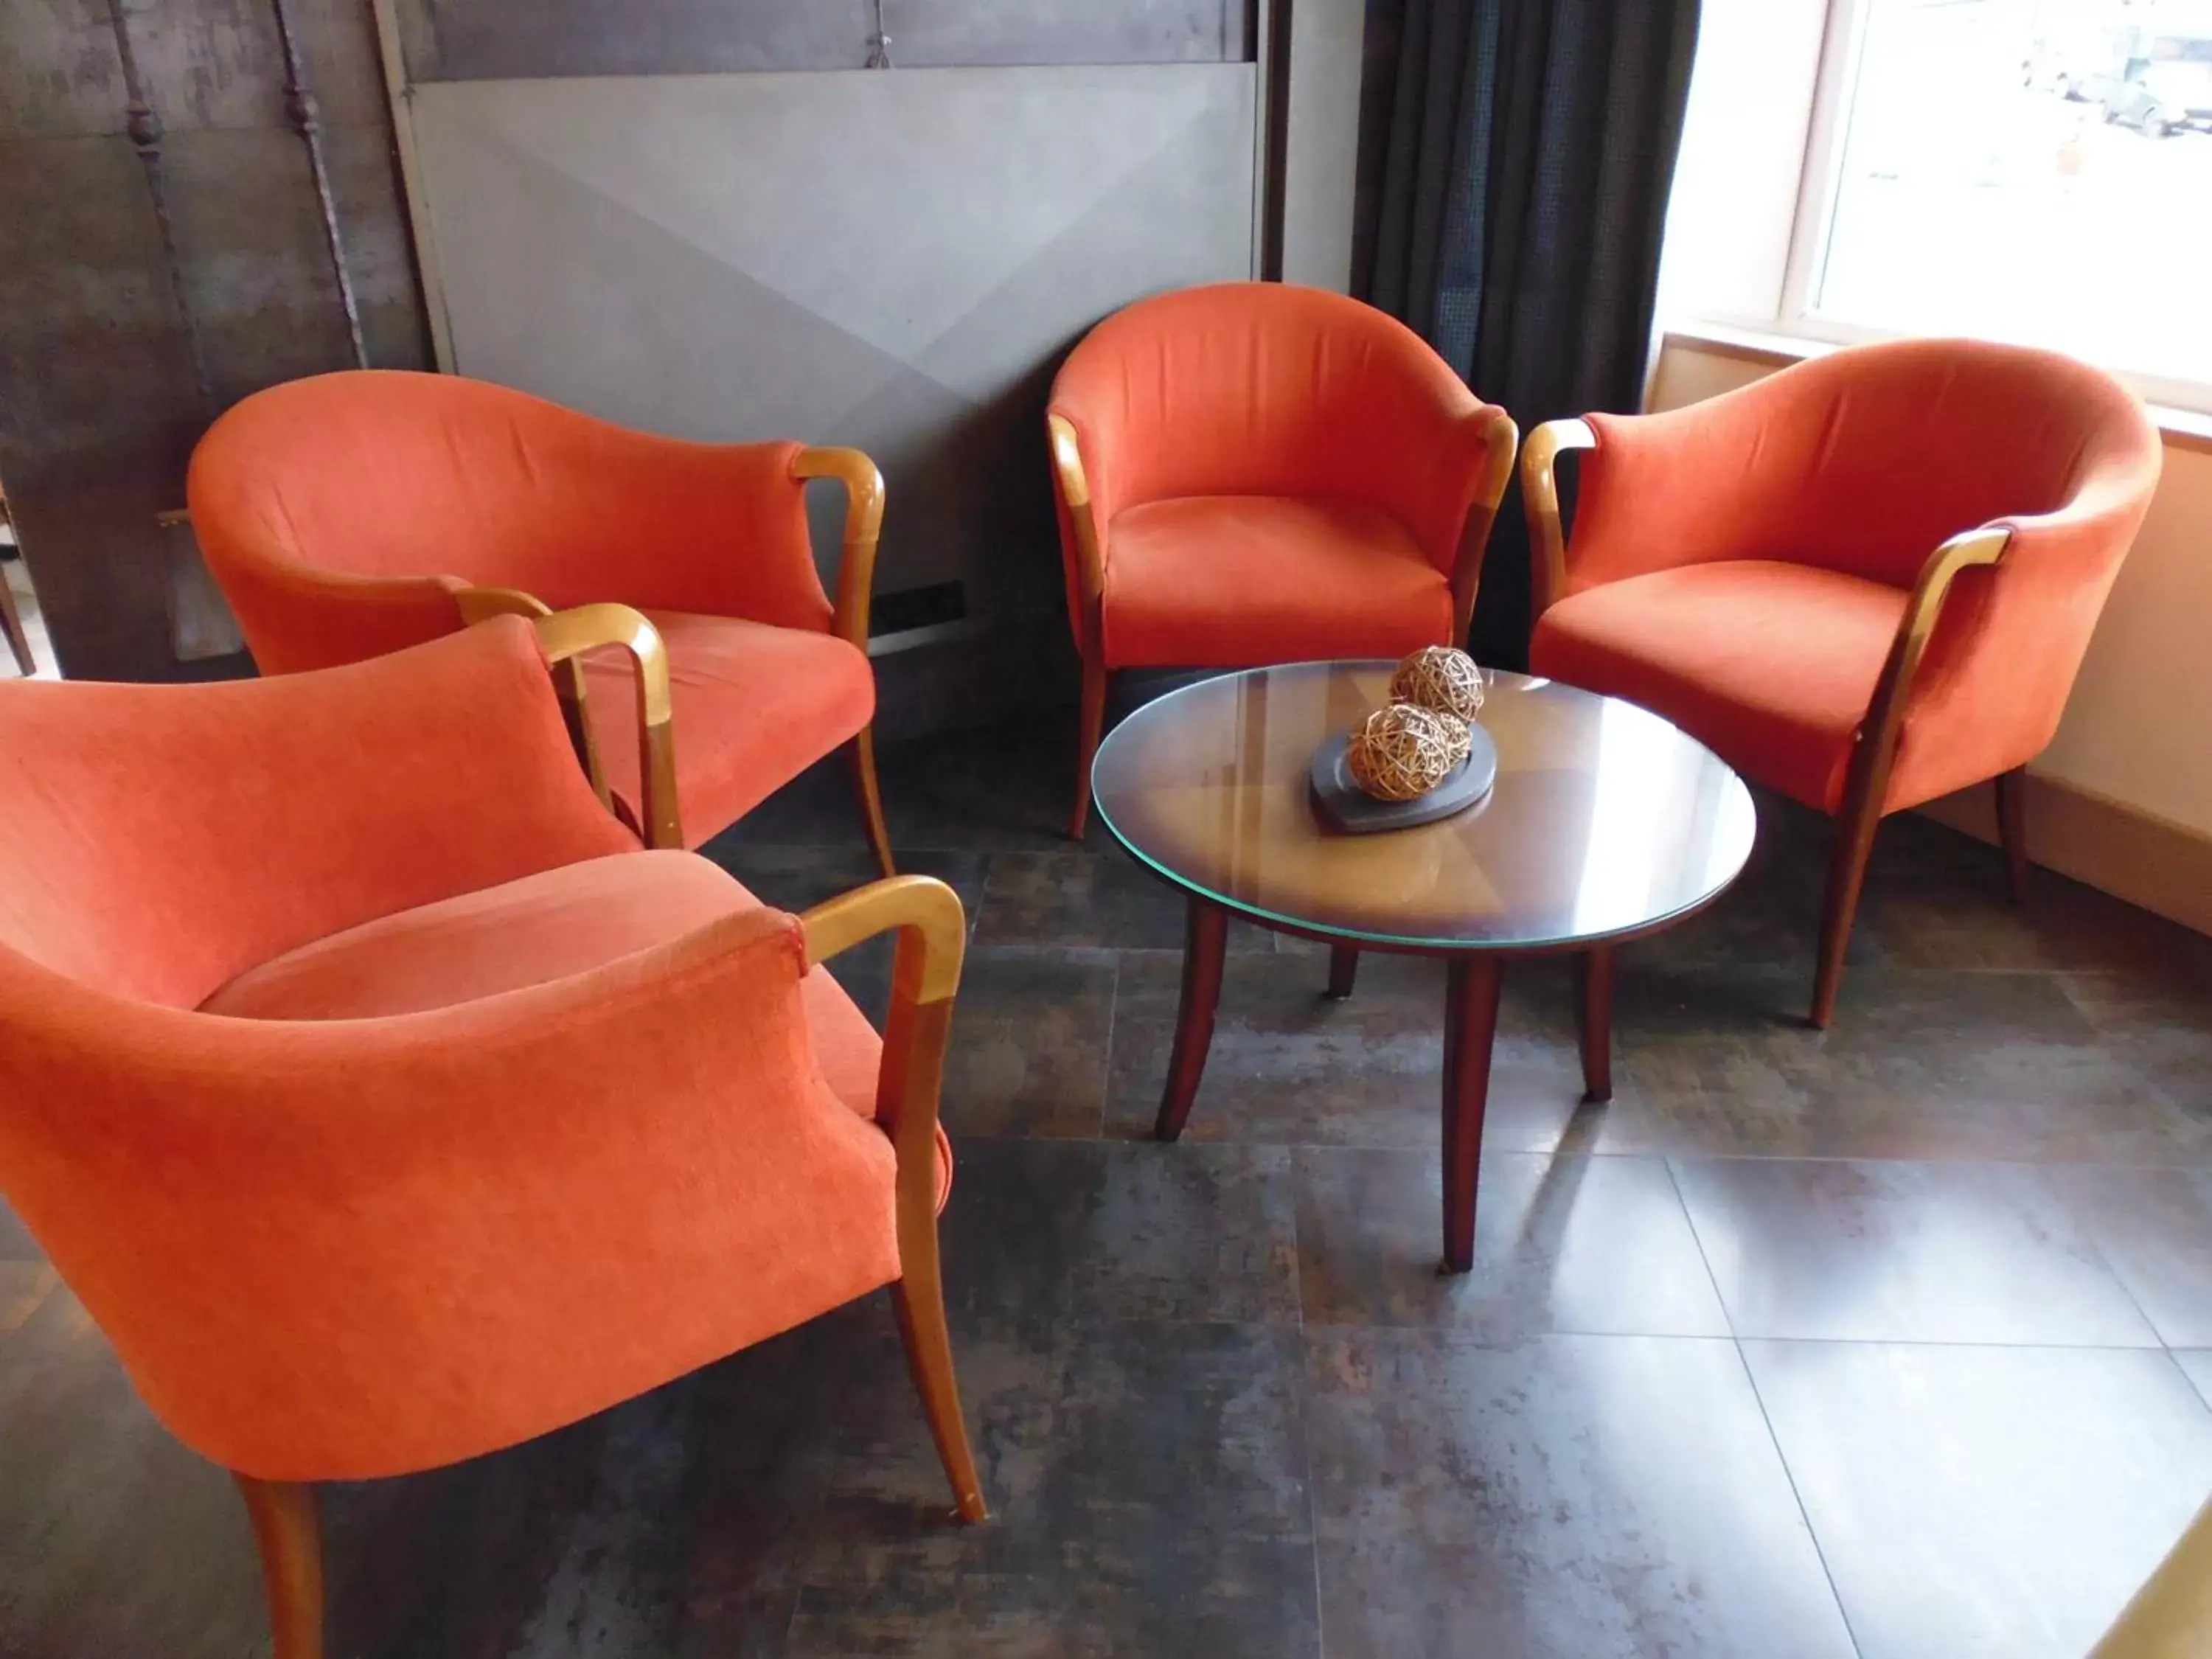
[[1835, 87]]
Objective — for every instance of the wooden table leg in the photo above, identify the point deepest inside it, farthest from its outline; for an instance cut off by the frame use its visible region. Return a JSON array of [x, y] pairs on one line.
[[1206, 940], [1594, 1020], [1343, 969], [1470, 1026]]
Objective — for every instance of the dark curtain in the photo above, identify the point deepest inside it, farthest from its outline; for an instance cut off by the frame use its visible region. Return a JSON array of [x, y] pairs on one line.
[[1517, 209]]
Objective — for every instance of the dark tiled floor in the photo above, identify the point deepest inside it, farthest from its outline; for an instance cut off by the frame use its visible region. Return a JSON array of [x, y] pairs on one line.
[[1895, 1339]]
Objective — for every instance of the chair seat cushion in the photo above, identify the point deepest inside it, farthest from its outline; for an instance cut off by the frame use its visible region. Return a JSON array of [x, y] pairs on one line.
[[547, 926], [754, 706], [1771, 665], [1237, 582]]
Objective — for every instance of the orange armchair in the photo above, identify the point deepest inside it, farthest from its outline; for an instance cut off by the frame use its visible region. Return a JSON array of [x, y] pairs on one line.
[[1255, 473], [1866, 580], [350, 514], [386, 1105]]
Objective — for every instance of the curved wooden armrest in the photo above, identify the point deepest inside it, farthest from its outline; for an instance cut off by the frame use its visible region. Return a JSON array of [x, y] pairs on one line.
[[1501, 443], [930, 920], [933, 932], [1885, 713], [565, 635], [864, 524], [1540, 499], [478, 602], [1075, 492]]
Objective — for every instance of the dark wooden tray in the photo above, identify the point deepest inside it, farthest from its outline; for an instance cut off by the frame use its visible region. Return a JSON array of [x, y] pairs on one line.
[[1343, 806]]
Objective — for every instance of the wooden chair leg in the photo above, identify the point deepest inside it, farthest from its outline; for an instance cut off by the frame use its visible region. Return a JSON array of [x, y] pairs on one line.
[[12, 621], [1343, 970], [1847, 864], [920, 1299], [860, 753], [1086, 746], [2012, 828], [290, 1540]]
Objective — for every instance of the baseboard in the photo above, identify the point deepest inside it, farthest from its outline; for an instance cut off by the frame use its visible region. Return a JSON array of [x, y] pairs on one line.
[[2148, 861]]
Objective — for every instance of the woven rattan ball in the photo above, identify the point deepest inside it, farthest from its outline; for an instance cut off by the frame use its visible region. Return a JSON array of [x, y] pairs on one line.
[[1437, 677], [1402, 751], [1459, 733]]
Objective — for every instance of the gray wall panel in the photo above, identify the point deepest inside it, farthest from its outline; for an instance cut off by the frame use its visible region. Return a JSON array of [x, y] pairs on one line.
[[527, 39], [895, 260]]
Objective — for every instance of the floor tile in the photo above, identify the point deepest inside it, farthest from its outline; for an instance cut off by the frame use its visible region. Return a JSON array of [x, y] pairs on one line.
[[2196, 1366], [1121, 1230], [817, 808], [2161, 1023], [1998, 1501], [1100, 899], [1147, 1482], [1149, 1493], [675, 1523], [1981, 1065], [990, 788], [1287, 1065], [1003, 788], [1704, 1059], [1589, 1244], [114, 1540], [1903, 1252], [1937, 898], [1578, 1496], [24, 1287], [797, 877], [2154, 1228], [1030, 1033], [16, 1243]]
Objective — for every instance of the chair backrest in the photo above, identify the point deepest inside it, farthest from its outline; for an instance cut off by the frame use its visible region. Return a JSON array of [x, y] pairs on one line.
[[1268, 389], [1864, 461], [385, 474], [331, 1248], [159, 840]]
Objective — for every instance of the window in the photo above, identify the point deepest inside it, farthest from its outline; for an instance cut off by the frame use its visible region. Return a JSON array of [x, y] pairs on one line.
[[2031, 170]]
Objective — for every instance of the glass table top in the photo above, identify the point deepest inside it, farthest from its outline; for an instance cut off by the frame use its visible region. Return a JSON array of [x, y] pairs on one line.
[[1606, 820]]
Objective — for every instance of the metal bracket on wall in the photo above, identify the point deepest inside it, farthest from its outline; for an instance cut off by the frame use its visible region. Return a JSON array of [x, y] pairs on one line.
[[144, 123], [305, 115]]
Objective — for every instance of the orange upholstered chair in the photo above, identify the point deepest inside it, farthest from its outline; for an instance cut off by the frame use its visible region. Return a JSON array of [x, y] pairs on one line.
[[1866, 580], [1255, 473], [387, 1104], [349, 515]]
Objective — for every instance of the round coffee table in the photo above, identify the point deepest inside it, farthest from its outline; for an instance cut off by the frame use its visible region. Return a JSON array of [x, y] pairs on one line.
[[1606, 824]]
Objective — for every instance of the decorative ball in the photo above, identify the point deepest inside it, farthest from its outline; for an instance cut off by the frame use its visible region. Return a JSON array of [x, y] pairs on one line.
[[1402, 751], [1437, 677], [1459, 732]]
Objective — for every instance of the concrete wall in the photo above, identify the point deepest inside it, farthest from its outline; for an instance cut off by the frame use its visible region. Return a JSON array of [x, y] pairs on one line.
[[2135, 731], [118, 344]]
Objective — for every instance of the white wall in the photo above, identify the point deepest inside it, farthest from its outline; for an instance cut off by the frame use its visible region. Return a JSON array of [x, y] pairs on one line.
[[2138, 731]]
